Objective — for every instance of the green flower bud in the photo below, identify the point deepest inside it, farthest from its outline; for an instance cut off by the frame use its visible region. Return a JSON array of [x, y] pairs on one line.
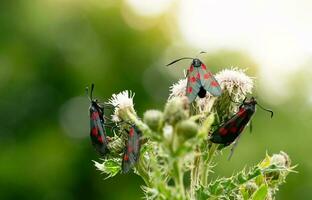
[[187, 129], [153, 118], [276, 167], [176, 109], [250, 188]]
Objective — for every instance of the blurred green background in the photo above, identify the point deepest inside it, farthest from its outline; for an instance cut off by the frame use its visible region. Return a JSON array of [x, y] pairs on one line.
[[50, 50]]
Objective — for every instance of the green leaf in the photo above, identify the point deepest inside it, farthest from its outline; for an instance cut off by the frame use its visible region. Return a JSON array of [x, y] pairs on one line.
[[261, 193], [111, 167]]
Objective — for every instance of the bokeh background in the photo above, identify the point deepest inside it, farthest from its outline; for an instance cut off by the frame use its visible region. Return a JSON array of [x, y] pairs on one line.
[[50, 50]]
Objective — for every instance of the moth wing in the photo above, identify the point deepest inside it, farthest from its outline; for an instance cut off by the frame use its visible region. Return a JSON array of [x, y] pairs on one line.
[[229, 131], [97, 132], [126, 164], [193, 84], [132, 150], [208, 81]]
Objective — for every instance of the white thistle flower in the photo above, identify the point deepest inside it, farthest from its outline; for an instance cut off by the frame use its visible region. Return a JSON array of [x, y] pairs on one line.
[[178, 89], [234, 78], [122, 101]]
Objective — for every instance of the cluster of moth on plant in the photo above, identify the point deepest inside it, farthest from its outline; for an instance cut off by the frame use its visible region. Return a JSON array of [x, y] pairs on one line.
[[199, 81]]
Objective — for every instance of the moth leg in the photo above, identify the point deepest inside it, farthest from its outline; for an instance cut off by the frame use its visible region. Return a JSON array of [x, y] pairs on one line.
[[250, 126], [233, 147]]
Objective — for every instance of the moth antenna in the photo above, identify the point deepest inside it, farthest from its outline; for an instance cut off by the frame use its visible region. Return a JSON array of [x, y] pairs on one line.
[[268, 110], [179, 60], [202, 52]]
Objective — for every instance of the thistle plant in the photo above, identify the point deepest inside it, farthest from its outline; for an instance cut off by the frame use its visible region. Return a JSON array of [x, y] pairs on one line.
[[176, 156]]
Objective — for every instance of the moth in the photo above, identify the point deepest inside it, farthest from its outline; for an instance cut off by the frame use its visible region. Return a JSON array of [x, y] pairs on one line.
[[97, 125], [199, 80], [230, 131], [132, 149]]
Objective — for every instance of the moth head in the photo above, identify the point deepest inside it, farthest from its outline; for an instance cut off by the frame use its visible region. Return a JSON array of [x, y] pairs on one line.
[[196, 62]]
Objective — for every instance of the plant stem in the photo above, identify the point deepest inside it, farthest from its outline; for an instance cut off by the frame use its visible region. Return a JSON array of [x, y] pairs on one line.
[[195, 173], [205, 167], [177, 165], [178, 177]]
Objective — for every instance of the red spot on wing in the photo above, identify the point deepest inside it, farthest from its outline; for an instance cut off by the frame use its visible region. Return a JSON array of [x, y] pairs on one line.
[[242, 112], [223, 131], [198, 76], [94, 131], [131, 132], [214, 83], [95, 115], [100, 139], [189, 90], [191, 68], [207, 76], [126, 157], [192, 79], [233, 129], [130, 149], [203, 67]]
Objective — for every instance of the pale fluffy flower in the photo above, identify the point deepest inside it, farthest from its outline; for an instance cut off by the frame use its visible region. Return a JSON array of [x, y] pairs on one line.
[[235, 80], [121, 101], [178, 89]]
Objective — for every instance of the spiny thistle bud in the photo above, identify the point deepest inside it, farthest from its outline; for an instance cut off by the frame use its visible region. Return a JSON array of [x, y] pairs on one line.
[[187, 129], [153, 118], [176, 109], [117, 144], [276, 168]]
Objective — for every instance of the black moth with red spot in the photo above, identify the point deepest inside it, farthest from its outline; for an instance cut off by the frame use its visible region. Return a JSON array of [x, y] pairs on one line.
[[97, 133], [229, 131], [199, 80], [132, 150]]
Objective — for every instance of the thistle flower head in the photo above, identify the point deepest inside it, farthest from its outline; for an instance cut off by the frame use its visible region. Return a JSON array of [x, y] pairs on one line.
[[122, 102], [281, 159], [178, 89], [235, 81]]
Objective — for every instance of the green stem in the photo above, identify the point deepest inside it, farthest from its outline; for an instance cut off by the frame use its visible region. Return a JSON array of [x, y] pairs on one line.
[[178, 177], [177, 165], [195, 173], [205, 167]]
